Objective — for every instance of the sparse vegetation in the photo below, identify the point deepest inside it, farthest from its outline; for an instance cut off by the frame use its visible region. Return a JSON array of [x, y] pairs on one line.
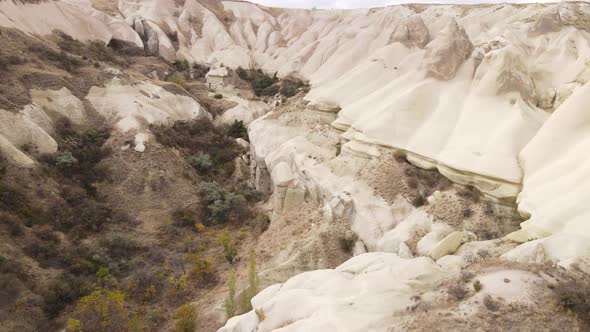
[[201, 162], [229, 246], [238, 130], [75, 256], [185, 217], [222, 206], [102, 310], [338, 147], [200, 136], [419, 201], [230, 301], [490, 303], [265, 85], [186, 318], [467, 212], [457, 291], [477, 286], [242, 305], [574, 296], [291, 86], [201, 268], [218, 96], [181, 65], [260, 314], [347, 243]]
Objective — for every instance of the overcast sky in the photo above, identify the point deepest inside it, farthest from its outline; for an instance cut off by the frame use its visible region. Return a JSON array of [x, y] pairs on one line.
[[364, 3]]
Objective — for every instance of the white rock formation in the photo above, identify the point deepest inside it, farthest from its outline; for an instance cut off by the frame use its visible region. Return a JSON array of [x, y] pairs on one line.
[[359, 296], [132, 105]]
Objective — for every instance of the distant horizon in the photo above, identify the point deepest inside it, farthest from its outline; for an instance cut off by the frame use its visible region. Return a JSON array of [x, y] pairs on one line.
[[357, 4]]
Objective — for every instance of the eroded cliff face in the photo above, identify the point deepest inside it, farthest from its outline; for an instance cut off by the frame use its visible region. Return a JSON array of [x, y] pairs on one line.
[[491, 97]]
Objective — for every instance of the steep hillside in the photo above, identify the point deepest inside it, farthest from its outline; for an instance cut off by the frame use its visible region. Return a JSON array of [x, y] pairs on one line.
[[440, 145]]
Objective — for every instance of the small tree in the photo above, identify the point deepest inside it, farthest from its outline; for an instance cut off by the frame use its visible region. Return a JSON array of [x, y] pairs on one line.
[[229, 245], [202, 268], [230, 301], [181, 65], [201, 162], [238, 130], [185, 318], [253, 280], [253, 285], [102, 310]]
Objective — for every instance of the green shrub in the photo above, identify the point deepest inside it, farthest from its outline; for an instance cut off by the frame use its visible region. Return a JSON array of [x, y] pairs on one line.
[[59, 293], [467, 212], [574, 296], [10, 60], [238, 130], [181, 65], [119, 245], [10, 289], [80, 155], [268, 91], [457, 291], [419, 201], [201, 162], [201, 268], [200, 71], [103, 310], [232, 208], [12, 223], [262, 84], [477, 285], [211, 192], [185, 217], [229, 246], [185, 318], [221, 206], [201, 136], [230, 302], [243, 74], [253, 285], [290, 87], [125, 48], [347, 243], [218, 96], [66, 160]]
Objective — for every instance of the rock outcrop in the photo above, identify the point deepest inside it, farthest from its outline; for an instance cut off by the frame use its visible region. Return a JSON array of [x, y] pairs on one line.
[[412, 32], [447, 52]]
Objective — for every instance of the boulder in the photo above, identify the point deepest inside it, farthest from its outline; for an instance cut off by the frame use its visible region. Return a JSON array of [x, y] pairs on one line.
[[243, 143], [548, 21], [153, 43], [447, 246], [281, 175], [412, 32], [138, 27]]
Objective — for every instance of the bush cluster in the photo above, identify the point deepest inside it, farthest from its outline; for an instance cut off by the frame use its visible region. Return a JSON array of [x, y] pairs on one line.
[[238, 130], [262, 83], [199, 138], [574, 296], [181, 65], [221, 206], [80, 155]]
